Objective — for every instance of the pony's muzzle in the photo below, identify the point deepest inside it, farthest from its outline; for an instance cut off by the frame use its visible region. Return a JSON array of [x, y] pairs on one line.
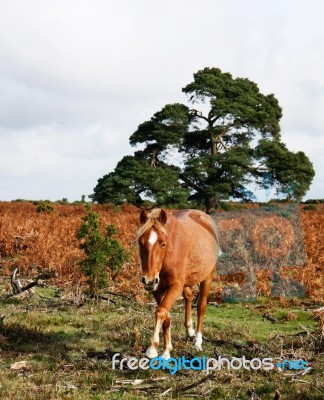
[[150, 285]]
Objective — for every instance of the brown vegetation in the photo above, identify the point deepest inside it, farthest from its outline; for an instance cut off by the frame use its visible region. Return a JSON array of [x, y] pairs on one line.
[[32, 240]]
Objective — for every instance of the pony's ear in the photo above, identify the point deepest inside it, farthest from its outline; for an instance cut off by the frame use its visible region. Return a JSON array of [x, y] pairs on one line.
[[163, 217], [143, 217]]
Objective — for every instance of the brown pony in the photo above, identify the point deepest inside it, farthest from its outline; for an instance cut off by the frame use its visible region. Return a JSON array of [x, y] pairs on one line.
[[177, 251]]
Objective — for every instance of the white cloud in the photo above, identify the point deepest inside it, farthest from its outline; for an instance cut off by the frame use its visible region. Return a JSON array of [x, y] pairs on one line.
[[78, 76]]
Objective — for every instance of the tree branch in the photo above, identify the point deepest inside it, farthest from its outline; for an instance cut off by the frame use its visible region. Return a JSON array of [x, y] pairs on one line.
[[198, 114], [190, 183], [213, 120], [223, 144]]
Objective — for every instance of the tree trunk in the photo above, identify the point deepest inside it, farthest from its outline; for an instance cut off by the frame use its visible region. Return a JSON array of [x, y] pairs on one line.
[[210, 204], [210, 201], [213, 143]]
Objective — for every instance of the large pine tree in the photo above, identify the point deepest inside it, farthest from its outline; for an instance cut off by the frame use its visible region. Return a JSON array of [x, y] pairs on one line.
[[213, 149]]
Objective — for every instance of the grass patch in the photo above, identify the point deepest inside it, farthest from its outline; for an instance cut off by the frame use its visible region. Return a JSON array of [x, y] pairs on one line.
[[55, 336], [246, 320]]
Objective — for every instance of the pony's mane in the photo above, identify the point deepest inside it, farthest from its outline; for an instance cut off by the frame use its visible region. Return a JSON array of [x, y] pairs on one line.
[[152, 222]]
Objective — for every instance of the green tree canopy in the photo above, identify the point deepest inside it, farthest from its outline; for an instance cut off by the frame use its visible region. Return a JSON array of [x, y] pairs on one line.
[[226, 138]]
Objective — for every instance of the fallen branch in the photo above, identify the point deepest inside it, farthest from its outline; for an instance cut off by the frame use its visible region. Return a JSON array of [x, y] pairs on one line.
[[303, 372], [269, 318], [301, 381], [166, 392], [140, 388], [308, 332], [135, 382], [319, 313], [106, 299], [16, 284], [139, 381], [281, 335], [40, 277], [192, 385]]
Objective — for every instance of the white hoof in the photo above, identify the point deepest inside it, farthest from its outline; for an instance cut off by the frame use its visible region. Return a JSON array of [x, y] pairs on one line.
[[165, 354], [191, 333], [197, 346], [151, 352], [198, 341]]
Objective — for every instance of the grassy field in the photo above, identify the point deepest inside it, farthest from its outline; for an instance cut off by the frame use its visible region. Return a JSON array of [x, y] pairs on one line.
[[56, 345]]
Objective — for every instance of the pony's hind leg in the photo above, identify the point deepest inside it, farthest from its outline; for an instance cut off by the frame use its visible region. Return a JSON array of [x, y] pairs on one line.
[[187, 295], [201, 308]]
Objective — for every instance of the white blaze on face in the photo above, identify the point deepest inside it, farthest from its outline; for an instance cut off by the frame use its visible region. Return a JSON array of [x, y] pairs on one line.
[[153, 237]]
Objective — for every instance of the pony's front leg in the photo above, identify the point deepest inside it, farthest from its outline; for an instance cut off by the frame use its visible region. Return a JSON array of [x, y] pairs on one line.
[[152, 352], [166, 337], [162, 318], [165, 322]]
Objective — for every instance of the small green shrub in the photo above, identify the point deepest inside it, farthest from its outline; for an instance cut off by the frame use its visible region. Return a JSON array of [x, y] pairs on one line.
[[314, 201], [63, 201], [310, 207], [44, 207], [20, 201], [101, 251], [278, 201], [231, 206]]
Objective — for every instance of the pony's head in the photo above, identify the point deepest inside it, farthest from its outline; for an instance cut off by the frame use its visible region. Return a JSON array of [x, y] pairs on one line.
[[152, 243]]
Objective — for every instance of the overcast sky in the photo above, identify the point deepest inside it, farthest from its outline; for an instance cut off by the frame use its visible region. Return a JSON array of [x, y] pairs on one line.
[[78, 76]]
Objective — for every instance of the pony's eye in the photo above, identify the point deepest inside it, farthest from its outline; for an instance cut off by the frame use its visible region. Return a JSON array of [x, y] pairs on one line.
[[163, 244]]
